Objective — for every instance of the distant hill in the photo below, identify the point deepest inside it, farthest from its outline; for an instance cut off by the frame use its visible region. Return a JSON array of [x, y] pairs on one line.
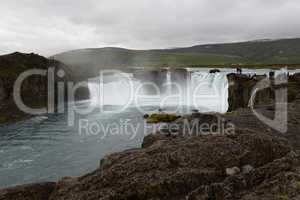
[[11, 65], [286, 51], [259, 52]]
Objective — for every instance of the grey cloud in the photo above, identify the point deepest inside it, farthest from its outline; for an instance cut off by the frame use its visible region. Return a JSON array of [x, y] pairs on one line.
[[52, 26]]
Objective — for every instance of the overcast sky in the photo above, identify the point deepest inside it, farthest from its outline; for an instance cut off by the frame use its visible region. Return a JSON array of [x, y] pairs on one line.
[[48, 27]]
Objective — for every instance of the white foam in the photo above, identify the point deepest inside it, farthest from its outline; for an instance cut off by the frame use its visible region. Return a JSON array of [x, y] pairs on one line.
[[211, 91], [16, 162]]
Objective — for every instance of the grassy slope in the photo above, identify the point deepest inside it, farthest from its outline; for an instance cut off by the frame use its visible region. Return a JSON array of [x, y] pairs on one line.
[[273, 53], [114, 57], [261, 52]]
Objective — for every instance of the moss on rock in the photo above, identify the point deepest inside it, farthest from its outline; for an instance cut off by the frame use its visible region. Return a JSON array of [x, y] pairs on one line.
[[162, 118]]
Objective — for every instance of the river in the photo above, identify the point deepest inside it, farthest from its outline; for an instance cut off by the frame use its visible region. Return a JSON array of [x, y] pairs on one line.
[[47, 148]]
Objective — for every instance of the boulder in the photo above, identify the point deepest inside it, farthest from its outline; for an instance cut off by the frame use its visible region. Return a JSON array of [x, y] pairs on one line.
[[213, 71], [232, 171]]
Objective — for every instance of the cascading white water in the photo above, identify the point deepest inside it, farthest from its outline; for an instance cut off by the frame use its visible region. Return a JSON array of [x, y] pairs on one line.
[[209, 91], [169, 83], [119, 92], [202, 90], [94, 89]]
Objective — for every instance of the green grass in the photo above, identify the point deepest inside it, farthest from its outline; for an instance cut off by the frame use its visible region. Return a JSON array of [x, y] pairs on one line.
[[263, 54], [175, 60], [162, 118]]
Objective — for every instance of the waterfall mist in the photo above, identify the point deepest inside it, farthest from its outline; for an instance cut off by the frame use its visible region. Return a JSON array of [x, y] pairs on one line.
[[203, 91]]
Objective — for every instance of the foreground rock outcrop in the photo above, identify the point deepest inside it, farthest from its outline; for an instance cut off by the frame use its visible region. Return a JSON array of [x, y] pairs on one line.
[[192, 167]]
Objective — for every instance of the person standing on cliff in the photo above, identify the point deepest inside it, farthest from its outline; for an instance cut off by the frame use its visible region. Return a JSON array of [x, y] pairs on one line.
[[238, 70]]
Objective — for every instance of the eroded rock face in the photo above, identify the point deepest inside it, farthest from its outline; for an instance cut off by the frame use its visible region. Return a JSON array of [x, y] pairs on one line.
[[12, 65], [34, 89], [240, 90], [3, 93], [295, 77], [241, 87], [171, 167], [39, 191]]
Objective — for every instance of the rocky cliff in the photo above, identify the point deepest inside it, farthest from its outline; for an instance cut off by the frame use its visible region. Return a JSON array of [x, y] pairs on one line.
[[34, 88], [241, 87]]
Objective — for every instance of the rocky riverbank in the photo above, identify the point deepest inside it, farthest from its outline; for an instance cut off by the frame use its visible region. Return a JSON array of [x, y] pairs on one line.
[[253, 162]]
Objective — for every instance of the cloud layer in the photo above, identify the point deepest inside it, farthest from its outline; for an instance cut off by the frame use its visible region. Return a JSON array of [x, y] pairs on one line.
[[52, 26]]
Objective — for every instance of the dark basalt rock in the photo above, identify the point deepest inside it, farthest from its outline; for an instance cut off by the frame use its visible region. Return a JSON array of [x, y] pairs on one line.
[[34, 90], [38, 191], [12, 65], [295, 77], [213, 71], [241, 87], [3, 92], [170, 167], [275, 180]]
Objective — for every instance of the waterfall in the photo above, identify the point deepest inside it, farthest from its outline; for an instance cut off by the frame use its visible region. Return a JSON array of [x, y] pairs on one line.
[[169, 83], [209, 91], [118, 92], [94, 89], [201, 90]]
